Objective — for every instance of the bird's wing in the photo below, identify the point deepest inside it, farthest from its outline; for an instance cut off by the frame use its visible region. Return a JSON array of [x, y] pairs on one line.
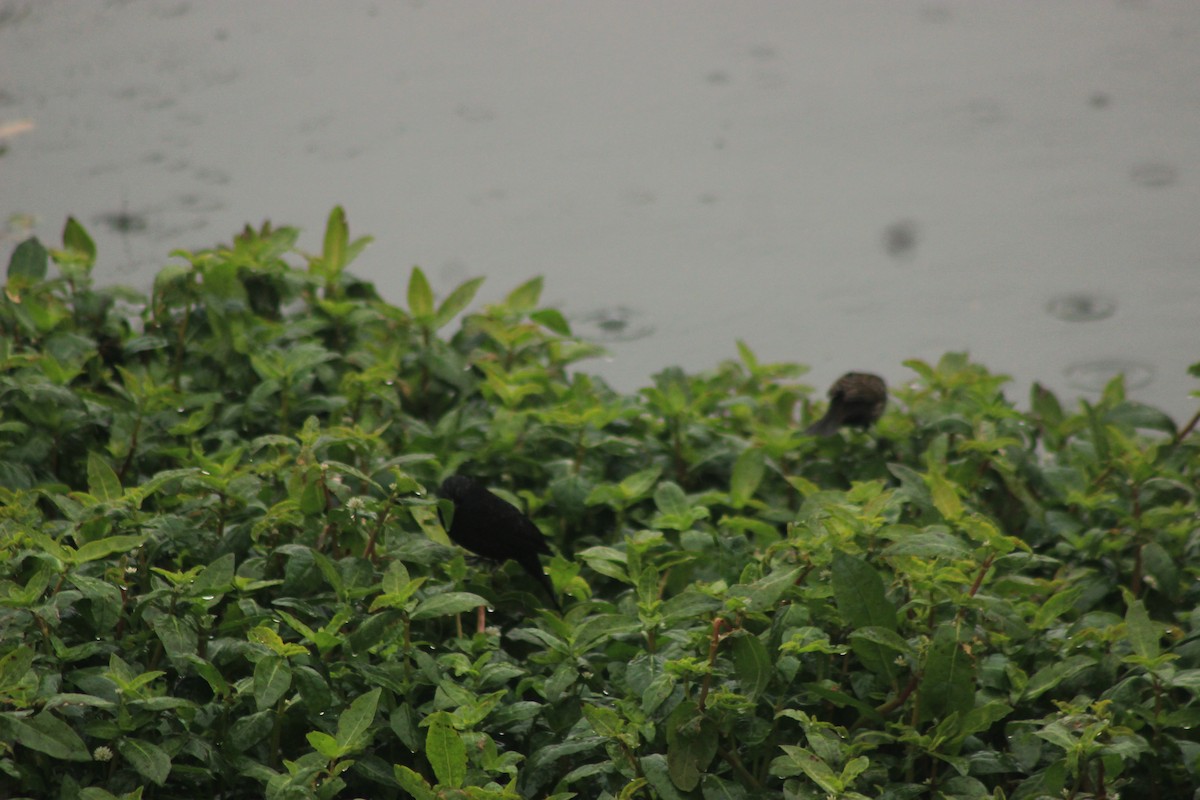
[[510, 519]]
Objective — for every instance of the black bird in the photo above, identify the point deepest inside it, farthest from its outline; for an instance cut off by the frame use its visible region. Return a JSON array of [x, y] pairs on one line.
[[494, 528], [856, 398]]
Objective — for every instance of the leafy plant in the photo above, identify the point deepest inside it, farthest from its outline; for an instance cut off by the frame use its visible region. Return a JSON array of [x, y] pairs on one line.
[[223, 572]]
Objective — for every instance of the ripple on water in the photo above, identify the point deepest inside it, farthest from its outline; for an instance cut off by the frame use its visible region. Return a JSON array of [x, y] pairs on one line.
[[900, 238], [613, 324], [1081, 306], [123, 221], [1094, 375], [1154, 174]]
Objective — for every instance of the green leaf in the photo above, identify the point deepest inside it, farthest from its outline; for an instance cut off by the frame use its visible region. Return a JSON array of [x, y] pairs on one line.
[[1130, 414], [1162, 571], [102, 548], [337, 238], [636, 485], [607, 562], [747, 356], [414, 784], [714, 788], [96, 793], [604, 721], [76, 238], [883, 637], [150, 760], [268, 637], [210, 673], [1100, 438], [177, 634], [948, 679], [748, 473], [250, 729], [657, 692], [927, 544], [1139, 630], [47, 734], [601, 627], [103, 483], [446, 751], [912, 484], [74, 700], [216, 578], [675, 510], [1057, 604], [631, 790], [1046, 406], [325, 744], [399, 596], [457, 300], [670, 499], [447, 603], [853, 768], [14, 665], [313, 688], [766, 592], [945, 496], [525, 297], [691, 745], [1057, 733], [860, 594], [658, 775], [1050, 676], [420, 296], [981, 718], [272, 678], [27, 265], [430, 520], [354, 724], [752, 663], [552, 319], [798, 760]]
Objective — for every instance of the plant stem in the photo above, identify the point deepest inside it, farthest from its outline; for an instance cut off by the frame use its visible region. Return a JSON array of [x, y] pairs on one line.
[[714, 641], [133, 443], [732, 759], [1183, 432]]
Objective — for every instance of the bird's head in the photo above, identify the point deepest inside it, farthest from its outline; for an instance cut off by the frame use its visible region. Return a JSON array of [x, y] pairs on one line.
[[456, 487]]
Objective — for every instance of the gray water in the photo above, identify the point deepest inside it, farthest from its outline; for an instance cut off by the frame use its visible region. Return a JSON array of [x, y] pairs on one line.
[[843, 183]]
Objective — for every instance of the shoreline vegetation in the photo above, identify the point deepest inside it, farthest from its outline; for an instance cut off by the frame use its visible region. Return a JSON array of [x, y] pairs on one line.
[[224, 573]]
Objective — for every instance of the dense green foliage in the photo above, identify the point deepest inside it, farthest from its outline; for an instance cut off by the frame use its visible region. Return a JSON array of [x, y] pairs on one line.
[[223, 573]]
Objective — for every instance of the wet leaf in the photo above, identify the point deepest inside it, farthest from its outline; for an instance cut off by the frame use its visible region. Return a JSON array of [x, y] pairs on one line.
[[420, 296], [46, 733], [948, 678], [691, 745], [747, 475], [76, 238], [446, 751], [150, 760], [27, 265], [272, 678]]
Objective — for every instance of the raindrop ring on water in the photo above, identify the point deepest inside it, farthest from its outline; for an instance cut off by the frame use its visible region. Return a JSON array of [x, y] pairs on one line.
[[1081, 307], [1093, 376], [614, 324]]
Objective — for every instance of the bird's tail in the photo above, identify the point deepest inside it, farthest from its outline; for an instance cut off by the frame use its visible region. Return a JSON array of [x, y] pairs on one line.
[[533, 566], [825, 426]]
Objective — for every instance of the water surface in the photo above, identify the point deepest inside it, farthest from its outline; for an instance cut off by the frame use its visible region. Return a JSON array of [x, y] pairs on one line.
[[837, 182]]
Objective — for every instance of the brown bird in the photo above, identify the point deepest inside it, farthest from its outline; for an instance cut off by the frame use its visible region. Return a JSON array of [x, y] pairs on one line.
[[494, 528], [856, 398]]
